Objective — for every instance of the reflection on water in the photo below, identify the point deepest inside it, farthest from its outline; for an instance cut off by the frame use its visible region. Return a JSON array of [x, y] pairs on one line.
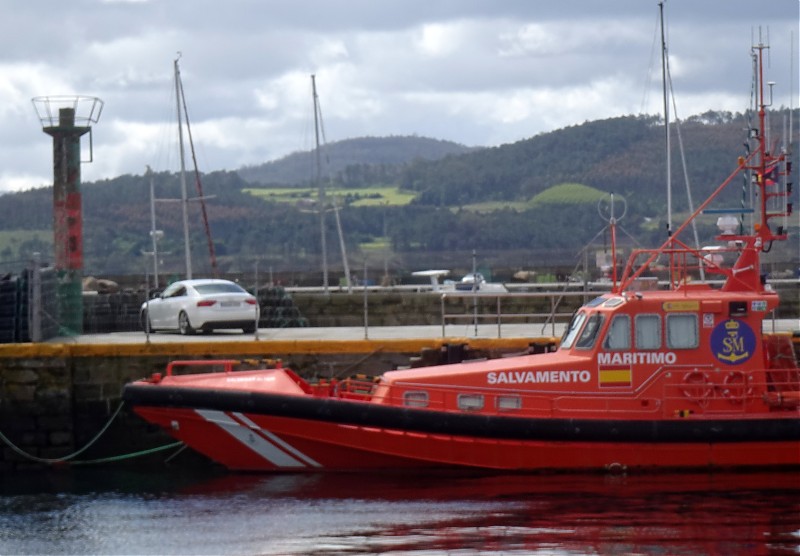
[[170, 512]]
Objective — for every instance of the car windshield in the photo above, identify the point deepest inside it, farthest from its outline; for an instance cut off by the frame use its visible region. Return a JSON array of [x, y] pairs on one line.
[[221, 287]]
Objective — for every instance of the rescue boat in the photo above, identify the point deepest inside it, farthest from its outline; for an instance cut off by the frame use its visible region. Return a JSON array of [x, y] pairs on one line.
[[676, 377]]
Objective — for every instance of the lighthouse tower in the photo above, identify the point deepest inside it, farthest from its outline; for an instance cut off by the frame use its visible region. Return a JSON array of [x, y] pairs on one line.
[[66, 119]]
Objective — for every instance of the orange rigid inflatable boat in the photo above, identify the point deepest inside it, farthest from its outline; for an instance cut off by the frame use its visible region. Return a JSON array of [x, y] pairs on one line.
[[643, 378]]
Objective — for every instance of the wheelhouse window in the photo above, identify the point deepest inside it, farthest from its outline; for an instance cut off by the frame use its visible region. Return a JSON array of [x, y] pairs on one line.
[[415, 398], [470, 402], [648, 331], [573, 328], [618, 336], [590, 330], [682, 332]]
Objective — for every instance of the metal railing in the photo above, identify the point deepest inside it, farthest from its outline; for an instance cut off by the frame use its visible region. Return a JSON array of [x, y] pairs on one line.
[[500, 317]]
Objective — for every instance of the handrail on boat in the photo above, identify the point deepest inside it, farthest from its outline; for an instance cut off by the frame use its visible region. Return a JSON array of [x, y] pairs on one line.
[[227, 364], [354, 388]]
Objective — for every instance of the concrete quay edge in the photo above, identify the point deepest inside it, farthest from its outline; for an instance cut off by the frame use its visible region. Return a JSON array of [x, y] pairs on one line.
[[341, 340]]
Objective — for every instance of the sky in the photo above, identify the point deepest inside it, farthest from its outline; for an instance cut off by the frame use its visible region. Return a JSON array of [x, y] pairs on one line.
[[477, 72]]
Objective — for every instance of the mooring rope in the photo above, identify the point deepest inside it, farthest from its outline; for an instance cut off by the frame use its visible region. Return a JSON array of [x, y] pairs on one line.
[[133, 454], [67, 458]]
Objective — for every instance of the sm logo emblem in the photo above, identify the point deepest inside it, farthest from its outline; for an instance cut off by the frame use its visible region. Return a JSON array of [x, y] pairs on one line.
[[733, 342]]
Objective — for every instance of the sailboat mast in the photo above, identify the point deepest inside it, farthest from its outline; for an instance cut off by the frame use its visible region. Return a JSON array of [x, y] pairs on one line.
[[184, 196], [666, 119], [200, 197], [320, 188]]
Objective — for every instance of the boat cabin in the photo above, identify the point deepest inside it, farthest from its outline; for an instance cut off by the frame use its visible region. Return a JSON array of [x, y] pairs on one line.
[[683, 352]]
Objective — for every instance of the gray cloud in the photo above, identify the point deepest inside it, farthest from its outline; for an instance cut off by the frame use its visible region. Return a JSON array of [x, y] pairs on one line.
[[479, 72]]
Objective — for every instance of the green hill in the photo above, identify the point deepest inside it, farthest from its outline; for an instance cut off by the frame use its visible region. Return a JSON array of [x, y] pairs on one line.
[[623, 155]]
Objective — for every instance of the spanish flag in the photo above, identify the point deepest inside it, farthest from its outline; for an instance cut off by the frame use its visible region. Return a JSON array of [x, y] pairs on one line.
[[615, 377]]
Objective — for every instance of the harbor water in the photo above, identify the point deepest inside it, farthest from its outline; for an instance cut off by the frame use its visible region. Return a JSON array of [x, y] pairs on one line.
[[173, 511]]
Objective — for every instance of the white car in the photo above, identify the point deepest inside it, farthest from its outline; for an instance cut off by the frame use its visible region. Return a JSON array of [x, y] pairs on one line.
[[201, 305]]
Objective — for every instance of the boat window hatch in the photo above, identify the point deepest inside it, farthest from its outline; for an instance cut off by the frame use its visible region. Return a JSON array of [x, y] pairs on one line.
[[508, 403], [415, 398], [596, 301], [470, 402]]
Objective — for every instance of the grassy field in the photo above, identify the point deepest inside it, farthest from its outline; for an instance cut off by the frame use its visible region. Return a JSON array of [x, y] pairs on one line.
[[491, 206], [568, 193], [368, 196], [377, 244], [563, 194]]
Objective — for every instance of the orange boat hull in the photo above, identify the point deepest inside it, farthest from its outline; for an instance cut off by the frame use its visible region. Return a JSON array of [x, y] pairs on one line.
[[249, 442]]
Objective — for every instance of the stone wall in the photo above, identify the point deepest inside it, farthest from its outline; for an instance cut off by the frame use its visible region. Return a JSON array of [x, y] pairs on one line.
[[36, 405]]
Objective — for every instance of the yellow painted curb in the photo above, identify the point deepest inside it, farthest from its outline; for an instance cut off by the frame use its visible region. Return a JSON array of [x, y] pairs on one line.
[[257, 347]]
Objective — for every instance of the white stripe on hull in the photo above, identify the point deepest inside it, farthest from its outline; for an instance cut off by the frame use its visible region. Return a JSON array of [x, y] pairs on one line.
[[253, 440], [277, 440]]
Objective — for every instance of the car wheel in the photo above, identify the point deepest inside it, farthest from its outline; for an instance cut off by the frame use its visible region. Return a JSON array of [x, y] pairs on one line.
[[249, 329], [184, 326]]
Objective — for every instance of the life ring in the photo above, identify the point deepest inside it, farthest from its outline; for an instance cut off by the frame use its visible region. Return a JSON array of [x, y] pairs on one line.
[[697, 387], [737, 387]]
